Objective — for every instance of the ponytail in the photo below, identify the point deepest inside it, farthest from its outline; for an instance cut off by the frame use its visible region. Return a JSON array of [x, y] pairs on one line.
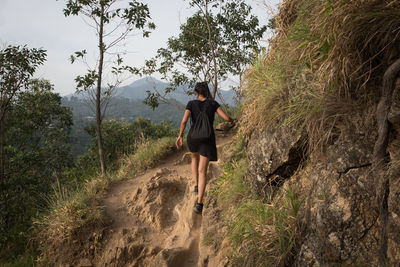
[[202, 89]]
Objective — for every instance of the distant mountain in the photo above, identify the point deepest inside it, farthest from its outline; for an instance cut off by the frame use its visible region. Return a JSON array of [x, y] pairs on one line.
[[138, 91]]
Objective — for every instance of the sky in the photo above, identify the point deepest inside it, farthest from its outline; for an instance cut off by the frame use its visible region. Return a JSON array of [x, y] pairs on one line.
[[42, 24]]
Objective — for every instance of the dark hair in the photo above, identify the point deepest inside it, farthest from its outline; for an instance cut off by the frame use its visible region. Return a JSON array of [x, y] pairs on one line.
[[202, 89]]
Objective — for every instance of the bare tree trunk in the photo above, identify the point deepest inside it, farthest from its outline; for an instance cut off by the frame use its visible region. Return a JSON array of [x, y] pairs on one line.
[[98, 96], [212, 47], [2, 175], [379, 156]]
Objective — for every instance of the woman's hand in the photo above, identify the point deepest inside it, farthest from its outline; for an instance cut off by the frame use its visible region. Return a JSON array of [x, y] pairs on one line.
[[179, 142]]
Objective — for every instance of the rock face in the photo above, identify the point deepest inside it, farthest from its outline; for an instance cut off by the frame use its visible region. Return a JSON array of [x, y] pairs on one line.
[[274, 155], [393, 226], [339, 215], [339, 221]]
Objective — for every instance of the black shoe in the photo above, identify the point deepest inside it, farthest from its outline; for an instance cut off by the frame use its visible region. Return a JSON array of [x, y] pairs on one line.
[[198, 208], [196, 189]]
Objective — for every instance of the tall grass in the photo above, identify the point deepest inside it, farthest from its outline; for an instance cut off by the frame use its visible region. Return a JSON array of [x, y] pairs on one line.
[[322, 67], [261, 232], [264, 234], [70, 212]]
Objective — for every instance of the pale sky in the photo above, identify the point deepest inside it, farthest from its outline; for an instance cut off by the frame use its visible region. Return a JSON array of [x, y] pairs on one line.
[[41, 23]]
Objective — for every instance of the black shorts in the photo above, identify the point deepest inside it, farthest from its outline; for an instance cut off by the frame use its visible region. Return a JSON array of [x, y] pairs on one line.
[[206, 148]]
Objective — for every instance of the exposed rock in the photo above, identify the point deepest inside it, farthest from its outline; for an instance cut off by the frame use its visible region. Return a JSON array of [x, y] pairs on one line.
[[186, 159], [339, 217], [341, 227], [85, 263], [394, 115], [224, 126], [393, 226], [273, 157]]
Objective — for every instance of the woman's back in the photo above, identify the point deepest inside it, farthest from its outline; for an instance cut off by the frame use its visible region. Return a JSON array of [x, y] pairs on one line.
[[209, 106]]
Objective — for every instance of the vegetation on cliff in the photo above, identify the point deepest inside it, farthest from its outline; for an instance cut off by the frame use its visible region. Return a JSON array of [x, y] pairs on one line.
[[263, 232], [321, 79], [323, 67]]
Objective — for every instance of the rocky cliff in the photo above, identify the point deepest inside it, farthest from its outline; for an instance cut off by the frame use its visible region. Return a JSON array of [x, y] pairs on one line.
[[319, 127]]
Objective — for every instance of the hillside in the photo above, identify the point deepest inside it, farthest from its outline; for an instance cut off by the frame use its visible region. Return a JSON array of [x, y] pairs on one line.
[[137, 90]]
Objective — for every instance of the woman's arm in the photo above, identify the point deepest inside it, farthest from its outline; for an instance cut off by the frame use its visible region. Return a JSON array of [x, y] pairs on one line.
[[223, 115], [185, 118]]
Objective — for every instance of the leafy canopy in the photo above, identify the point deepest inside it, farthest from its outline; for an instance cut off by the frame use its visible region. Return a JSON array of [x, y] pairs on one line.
[[220, 39], [17, 65], [35, 152]]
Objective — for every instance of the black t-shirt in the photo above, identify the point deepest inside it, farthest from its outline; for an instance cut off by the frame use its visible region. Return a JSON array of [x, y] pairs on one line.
[[209, 106]]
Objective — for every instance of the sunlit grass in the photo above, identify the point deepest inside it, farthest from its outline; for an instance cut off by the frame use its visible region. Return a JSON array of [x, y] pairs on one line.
[[70, 211]]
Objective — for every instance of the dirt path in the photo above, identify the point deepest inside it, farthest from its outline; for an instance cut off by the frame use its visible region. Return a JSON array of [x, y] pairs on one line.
[[153, 223]]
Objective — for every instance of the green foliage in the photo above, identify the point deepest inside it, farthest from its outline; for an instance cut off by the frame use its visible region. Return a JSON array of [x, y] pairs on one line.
[[151, 152], [17, 65], [121, 109], [240, 34], [122, 138], [36, 152], [18, 188], [264, 234], [218, 40], [27, 259]]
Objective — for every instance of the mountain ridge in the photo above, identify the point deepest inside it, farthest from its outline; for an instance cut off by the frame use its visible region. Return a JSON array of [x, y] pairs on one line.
[[137, 90]]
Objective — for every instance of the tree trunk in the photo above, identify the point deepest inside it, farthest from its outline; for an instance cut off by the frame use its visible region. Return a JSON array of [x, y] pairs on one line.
[[2, 176], [379, 156], [214, 57], [98, 95]]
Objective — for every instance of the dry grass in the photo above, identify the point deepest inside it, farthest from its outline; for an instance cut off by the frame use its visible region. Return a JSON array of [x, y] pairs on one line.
[[323, 68], [72, 213]]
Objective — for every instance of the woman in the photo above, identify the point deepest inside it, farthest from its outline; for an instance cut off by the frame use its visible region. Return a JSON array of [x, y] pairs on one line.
[[205, 151]]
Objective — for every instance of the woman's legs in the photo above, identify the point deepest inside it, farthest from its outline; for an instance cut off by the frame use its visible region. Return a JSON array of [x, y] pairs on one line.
[[195, 168], [203, 165]]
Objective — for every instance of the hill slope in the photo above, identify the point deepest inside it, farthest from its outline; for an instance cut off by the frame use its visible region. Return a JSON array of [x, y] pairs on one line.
[[138, 91]]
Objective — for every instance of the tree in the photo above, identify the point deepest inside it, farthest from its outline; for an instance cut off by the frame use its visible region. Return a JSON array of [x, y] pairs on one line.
[[36, 152], [112, 24], [122, 138], [17, 65], [218, 40]]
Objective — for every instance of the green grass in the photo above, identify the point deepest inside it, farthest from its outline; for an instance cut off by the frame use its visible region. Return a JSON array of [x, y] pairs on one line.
[[71, 211], [262, 233], [26, 260]]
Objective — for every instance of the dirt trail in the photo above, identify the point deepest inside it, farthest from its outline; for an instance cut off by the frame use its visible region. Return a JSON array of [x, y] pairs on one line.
[[153, 223]]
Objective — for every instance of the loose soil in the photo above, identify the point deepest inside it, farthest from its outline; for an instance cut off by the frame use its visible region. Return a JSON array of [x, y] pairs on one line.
[[152, 222]]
